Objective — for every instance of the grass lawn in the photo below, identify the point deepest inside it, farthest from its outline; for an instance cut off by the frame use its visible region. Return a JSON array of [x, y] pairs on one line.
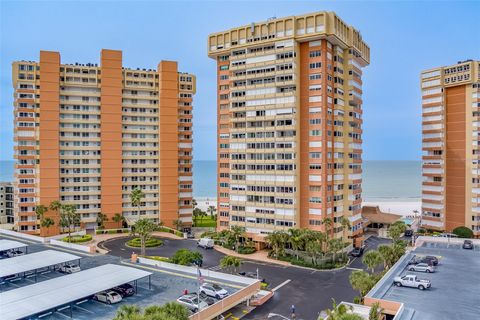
[[206, 222]]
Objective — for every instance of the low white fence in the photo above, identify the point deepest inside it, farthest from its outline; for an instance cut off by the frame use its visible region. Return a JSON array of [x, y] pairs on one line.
[[24, 236], [193, 270], [421, 239], [79, 247]]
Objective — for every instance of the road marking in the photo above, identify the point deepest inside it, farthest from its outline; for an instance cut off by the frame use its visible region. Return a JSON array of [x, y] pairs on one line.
[[215, 268], [357, 269], [180, 275], [281, 285]]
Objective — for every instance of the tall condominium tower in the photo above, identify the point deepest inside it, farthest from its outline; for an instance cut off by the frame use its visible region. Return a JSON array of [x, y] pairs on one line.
[[289, 124], [451, 147], [88, 135]]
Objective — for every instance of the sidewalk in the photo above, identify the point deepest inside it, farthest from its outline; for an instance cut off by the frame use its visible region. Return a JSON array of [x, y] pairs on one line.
[[260, 256]]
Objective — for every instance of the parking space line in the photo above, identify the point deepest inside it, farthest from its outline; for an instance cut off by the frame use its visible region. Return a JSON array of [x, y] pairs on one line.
[[281, 285], [86, 310], [180, 275]]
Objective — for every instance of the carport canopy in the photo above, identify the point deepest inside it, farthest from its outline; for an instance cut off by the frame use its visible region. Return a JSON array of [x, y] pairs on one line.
[[6, 245], [50, 294], [34, 261]]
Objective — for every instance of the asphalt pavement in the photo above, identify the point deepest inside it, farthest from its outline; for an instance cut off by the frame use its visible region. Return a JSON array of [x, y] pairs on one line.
[[310, 291]]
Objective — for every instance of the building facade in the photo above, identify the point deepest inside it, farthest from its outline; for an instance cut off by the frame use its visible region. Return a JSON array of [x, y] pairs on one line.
[[6, 203], [451, 147], [88, 134], [290, 124]]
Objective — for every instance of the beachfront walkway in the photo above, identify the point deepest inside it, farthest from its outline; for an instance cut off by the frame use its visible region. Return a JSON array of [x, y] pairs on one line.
[[260, 256]]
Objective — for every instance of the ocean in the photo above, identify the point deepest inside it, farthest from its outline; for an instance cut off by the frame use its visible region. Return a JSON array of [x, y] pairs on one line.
[[382, 180]]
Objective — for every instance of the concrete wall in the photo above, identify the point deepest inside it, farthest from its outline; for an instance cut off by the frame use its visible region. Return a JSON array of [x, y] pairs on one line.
[[79, 247], [23, 236], [458, 241]]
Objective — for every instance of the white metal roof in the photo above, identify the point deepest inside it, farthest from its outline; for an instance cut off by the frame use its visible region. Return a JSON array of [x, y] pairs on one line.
[[32, 261], [10, 244], [46, 295]]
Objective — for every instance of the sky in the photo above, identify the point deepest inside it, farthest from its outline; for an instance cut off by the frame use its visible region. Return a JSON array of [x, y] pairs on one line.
[[404, 38]]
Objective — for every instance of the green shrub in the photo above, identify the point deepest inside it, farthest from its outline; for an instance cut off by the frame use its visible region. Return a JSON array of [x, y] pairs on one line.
[[179, 234], [78, 239], [112, 231], [463, 232], [186, 257], [149, 243], [246, 250]]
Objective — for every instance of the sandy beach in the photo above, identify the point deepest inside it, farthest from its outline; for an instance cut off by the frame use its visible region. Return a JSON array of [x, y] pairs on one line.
[[403, 208]]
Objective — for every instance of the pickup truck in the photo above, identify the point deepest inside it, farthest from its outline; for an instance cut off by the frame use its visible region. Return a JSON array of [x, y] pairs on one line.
[[412, 281]]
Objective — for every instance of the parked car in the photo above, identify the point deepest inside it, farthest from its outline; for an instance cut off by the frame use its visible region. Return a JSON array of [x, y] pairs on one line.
[[15, 253], [69, 268], [209, 300], [125, 290], [205, 243], [467, 244], [432, 259], [408, 233], [412, 281], [213, 290], [191, 302], [422, 267], [356, 252], [190, 235], [108, 297]]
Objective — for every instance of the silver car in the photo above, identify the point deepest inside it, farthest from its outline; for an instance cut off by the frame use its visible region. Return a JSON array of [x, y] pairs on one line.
[[422, 267], [191, 302]]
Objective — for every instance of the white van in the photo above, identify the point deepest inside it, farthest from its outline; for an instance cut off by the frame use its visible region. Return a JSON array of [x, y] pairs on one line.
[[205, 243]]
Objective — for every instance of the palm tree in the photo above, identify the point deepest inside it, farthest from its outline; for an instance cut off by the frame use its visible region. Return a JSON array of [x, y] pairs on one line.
[[375, 312], [340, 312], [69, 217], [372, 259], [177, 223], [194, 203], [328, 223], [136, 197], [119, 219], [345, 226], [143, 228], [296, 240], [334, 246], [276, 241], [361, 281], [238, 232], [101, 218], [211, 210], [45, 222], [228, 262], [127, 312]]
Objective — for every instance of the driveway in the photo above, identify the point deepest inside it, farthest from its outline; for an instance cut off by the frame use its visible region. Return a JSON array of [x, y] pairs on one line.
[[309, 290], [117, 247]]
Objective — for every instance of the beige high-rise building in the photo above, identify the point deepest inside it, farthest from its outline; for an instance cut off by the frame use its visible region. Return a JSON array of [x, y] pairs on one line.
[[290, 124], [88, 134], [451, 147]]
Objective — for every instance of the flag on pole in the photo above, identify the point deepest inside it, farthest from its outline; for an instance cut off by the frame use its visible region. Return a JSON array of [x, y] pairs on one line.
[[200, 278]]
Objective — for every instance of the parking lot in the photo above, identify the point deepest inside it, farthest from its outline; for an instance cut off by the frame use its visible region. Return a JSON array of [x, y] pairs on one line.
[[455, 291], [166, 286]]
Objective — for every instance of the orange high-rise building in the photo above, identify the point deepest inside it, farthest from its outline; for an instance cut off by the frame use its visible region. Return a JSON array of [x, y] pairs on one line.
[[289, 124], [451, 147], [88, 134]]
